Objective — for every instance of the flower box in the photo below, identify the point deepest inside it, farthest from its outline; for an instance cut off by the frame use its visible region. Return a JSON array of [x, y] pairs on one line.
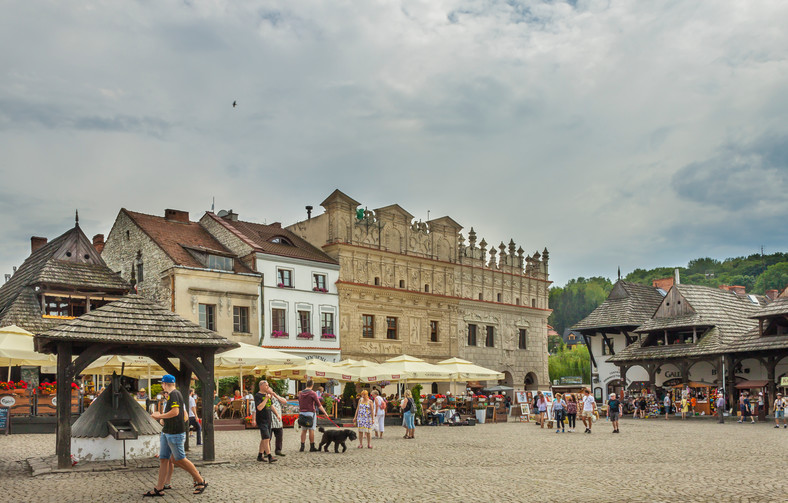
[[305, 335], [280, 285], [18, 404], [277, 334], [328, 336], [323, 290]]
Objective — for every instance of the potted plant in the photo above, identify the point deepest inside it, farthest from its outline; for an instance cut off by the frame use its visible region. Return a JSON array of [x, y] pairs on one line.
[[304, 335], [328, 336], [279, 334]]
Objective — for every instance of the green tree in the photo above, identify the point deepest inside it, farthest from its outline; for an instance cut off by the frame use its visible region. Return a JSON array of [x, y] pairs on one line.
[[775, 277], [570, 362], [576, 300]]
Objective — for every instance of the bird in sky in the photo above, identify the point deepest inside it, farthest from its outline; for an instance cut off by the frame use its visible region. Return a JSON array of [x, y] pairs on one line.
[[235, 104]]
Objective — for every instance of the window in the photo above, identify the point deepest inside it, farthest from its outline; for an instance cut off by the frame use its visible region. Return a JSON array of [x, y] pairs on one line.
[[208, 316], [433, 331], [499, 297], [65, 306], [533, 302], [326, 323], [471, 335], [490, 341], [480, 297], [368, 330], [284, 277], [241, 319], [278, 320], [402, 283], [320, 282], [605, 349], [220, 263], [377, 281], [140, 268], [391, 327], [281, 241], [523, 339], [427, 288], [517, 301], [304, 325]]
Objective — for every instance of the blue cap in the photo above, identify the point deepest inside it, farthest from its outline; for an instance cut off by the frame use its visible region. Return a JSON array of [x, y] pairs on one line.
[[168, 378]]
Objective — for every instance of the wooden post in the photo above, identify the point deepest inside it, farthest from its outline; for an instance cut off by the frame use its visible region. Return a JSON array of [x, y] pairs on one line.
[[208, 452], [63, 440], [684, 367], [183, 379], [771, 364]]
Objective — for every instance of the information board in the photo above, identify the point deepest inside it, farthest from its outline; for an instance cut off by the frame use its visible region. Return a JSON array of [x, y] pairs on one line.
[[4, 420]]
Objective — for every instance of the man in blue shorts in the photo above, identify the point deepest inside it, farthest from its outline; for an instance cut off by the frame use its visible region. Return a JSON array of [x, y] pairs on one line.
[[172, 439]]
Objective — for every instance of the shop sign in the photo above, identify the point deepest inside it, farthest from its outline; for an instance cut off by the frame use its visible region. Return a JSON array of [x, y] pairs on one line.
[[672, 373], [4, 422], [7, 401], [571, 380], [784, 381]]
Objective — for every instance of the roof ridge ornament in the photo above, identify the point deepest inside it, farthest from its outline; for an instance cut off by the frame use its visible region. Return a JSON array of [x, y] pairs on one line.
[[76, 218]]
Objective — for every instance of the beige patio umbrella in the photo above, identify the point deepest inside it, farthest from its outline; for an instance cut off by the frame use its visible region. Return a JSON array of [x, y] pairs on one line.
[[416, 370], [463, 370], [367, 371], [16, 348], [248, 357], [347, 362], [130, 365], [318, 370]]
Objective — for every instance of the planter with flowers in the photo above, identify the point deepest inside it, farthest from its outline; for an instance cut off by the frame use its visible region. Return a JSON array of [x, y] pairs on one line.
[[305, 336], [316, 289], [279, 334], [15, 396], [46, 399], [328, 336], [248, 422]]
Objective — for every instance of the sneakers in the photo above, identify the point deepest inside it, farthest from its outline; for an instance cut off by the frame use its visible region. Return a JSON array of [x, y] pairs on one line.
[[777, 426], [558, 431], [587, 430]]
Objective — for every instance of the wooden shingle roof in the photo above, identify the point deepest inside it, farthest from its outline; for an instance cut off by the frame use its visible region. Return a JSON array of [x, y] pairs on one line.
[[627, 305], [260, 237], [132, 321], [19, 303]]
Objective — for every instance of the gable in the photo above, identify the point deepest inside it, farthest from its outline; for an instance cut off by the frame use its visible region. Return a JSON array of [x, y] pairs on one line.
[[618, 292], [77, 249], [674, 304]]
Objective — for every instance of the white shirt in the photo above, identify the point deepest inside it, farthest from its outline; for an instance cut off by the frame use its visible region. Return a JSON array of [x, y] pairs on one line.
[[588, 403], [192, 405]]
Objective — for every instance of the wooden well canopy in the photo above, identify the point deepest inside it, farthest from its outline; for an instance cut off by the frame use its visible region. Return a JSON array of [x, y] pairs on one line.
[[133, 325]]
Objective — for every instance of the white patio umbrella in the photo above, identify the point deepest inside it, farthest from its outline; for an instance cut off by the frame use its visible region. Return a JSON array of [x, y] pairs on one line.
[[367, 371], [318, 370], [249, 357], [416, 370], [16, 348], [463, 370]]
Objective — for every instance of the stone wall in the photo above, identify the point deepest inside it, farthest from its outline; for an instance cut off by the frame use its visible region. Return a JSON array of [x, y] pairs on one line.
[[229, 240], [125, 246]]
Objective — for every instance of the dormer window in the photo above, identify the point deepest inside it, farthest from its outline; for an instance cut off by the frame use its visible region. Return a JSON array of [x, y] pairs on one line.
[[281, 240], [220, 263]]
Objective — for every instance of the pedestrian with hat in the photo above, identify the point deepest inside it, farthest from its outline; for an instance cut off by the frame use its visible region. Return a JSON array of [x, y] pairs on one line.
[[779, 411], [173, 438]]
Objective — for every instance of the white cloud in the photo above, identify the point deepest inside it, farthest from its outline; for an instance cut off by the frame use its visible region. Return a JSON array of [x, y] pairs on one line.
[[586, 128]]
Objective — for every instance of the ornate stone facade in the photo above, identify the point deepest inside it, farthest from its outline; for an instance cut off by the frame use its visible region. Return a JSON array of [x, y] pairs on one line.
[[433, 285]]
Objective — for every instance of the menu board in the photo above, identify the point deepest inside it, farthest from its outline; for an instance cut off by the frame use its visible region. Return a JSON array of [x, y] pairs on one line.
[[4, 422]]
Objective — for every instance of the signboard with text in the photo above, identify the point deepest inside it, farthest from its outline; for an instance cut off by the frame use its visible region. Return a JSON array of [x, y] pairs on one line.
[[5, 421]]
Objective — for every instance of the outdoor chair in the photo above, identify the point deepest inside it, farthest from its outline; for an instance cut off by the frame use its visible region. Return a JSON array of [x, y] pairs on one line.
[[236, 408]]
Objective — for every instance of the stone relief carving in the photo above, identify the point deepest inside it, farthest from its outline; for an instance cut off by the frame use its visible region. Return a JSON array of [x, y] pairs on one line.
[[415, 337], [194, 304]]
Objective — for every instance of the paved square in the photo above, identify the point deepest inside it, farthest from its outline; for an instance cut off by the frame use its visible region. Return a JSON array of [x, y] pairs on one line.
[[650, 461]]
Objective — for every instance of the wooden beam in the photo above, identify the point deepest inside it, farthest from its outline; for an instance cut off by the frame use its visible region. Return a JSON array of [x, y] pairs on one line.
[[208, 446], [163, 362], [609, 343], [63, 394], [87, 357], [191, 359], [590, 353]]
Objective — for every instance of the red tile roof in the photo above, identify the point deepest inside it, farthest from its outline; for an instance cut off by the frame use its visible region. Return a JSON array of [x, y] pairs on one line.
[[259, 237], [173, 236]]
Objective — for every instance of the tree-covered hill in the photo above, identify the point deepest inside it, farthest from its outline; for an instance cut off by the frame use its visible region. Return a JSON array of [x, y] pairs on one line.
[[757, 273]]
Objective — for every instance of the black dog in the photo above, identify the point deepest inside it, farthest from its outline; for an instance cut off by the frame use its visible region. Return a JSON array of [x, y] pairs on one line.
[[336, 436]]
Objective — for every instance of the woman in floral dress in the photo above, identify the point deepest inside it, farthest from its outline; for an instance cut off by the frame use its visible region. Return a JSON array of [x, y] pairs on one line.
[[365, 417]]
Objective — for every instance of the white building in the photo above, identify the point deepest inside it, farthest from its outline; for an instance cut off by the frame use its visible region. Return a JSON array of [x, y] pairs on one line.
[[299, 304]]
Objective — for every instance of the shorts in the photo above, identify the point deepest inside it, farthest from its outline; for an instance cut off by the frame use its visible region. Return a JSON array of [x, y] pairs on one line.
[[407, 420], [588, 413], [265, 430], [745, 412], [779, 414], [314, 419], [171, 445], [613, 416]]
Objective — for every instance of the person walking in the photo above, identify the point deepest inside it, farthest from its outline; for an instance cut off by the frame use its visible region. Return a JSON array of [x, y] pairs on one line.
[[721, 408], [666, 403], [744, 407], [262, 419], [684, 407], [172, 439], [364, 419], [541, 404], [277, 427], [761, 406], [614, 411], [308, 405], [408, 407], [559, 409], [643, 405], [589, 408], [380, 413], [779, 411], [193, 422], [571, 412]]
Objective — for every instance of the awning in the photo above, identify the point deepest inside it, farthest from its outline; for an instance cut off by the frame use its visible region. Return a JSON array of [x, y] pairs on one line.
[[751, 384], [697, 384]]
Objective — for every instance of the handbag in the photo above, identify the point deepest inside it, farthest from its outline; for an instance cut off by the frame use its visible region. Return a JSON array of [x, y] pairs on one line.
[[305, 421]]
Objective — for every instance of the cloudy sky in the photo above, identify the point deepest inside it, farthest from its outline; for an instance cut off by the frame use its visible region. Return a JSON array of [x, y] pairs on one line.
[[614, 133]]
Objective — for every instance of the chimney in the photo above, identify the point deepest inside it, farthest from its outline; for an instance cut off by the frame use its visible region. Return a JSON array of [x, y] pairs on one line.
[[676, 277], [772, 294], [738, 289], [98, 242], [177, 215], [309, 212], [228, 215], [664, 283], [36, 243]]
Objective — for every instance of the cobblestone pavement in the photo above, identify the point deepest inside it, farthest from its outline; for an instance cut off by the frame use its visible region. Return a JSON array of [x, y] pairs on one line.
[[649, 461]]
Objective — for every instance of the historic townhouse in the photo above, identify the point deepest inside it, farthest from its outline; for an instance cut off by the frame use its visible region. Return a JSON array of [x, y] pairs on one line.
[[299, 303], [176, 262], [418, 288]]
